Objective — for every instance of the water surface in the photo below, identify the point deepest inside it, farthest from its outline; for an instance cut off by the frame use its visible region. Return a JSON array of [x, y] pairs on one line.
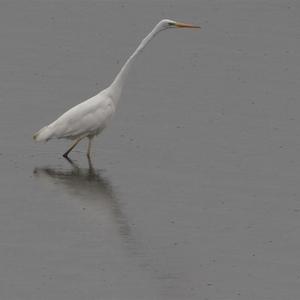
[[193, 191]]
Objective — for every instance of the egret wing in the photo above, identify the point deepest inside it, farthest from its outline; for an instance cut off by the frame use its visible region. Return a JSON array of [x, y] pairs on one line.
[[87, 118]]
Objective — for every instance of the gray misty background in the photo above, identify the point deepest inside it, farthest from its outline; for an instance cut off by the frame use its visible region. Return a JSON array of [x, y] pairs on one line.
[[194, 188]]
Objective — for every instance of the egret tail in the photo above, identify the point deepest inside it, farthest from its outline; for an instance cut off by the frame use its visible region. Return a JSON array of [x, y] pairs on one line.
[[43, 135]]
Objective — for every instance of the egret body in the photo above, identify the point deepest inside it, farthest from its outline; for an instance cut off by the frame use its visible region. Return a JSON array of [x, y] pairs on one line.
[[89, 118]]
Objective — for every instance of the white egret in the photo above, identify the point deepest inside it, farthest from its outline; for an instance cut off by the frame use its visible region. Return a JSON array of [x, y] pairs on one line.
[[89, 118]]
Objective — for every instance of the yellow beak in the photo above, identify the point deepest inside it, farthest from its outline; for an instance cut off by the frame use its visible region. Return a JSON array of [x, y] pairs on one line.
[[185, 25]]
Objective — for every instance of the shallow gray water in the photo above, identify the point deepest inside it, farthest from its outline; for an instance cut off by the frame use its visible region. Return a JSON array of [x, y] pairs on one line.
[[193, 191]]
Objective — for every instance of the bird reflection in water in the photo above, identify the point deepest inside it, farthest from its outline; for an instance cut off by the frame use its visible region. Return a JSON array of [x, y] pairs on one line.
[[97, 194], [93, 188]]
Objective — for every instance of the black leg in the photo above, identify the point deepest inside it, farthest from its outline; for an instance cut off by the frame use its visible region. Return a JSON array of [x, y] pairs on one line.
[[65, 155]]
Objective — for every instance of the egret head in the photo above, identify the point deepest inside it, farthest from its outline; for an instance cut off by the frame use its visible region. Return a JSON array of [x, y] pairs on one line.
[[166, 24]]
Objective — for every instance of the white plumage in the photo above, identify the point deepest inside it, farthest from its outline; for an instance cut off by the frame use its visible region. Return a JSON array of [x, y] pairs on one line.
[[89, 118]]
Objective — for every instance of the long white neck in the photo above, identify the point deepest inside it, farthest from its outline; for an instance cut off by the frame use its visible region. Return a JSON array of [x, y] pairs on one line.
[[115, 89]]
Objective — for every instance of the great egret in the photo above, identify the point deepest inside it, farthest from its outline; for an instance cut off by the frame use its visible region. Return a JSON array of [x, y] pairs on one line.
[[89, 118]]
